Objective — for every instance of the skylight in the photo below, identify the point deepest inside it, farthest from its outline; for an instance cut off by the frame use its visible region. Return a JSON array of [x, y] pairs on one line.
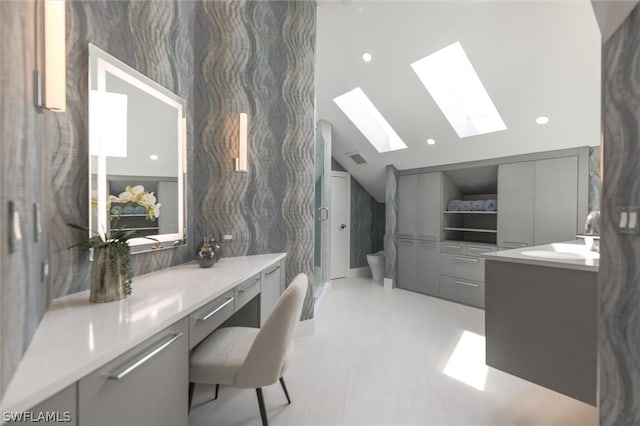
[[451, 80], [366, 117]]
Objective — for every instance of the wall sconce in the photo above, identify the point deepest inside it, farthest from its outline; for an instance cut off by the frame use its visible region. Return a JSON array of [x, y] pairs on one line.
[[241, 160], [55, 54]]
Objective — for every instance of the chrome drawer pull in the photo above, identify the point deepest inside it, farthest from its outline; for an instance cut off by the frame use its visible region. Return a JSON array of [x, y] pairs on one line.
[[428, 237], [467, 284], [134, 365], [406, 242], [272, 271], [215, 311], [452, 246], [405, 236], [248, 286], [468, 259], [515, 243]]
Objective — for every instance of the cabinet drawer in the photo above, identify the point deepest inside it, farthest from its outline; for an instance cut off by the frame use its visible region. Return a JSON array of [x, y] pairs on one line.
[[478, 249], [463, 291], [512, 244], [452, 247], [466, 267], [247, 291], [206, 319], [145, 386]]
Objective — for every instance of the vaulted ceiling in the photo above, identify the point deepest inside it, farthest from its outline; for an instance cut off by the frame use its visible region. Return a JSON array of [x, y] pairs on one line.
[[534, 58]]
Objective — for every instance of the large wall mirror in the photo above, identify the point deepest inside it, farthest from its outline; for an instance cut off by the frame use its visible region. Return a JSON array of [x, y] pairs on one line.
[[137, 154]]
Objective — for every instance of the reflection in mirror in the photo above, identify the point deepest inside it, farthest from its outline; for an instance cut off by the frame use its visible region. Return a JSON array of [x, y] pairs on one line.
[[137, 140]]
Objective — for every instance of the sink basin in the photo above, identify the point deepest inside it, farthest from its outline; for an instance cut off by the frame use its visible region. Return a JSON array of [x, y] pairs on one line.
[[563, 251]]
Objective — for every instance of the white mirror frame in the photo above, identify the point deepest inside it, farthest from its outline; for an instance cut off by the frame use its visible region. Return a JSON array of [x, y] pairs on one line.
[[100, 62]]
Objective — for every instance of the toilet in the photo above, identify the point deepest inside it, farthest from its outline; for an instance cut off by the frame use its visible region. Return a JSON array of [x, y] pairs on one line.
[[376, 263]]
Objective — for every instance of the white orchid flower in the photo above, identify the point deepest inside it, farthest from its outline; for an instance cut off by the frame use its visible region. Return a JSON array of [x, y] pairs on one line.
[[156, 210], [126, 197], [138, 190]]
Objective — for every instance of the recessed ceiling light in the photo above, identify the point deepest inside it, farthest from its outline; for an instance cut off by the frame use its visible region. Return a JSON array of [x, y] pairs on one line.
[[431, 141], [153, 157], [542, 120], [456, 88], [366, 57], [366, 117]]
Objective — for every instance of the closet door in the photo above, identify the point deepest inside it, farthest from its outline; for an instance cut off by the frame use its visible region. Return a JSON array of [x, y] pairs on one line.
[[429, 206], [408, 206], [427, 268], [556, 200], [408, 265], [515, 204]]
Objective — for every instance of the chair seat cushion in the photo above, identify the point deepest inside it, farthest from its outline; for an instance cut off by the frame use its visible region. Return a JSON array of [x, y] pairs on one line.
[[217, 359]]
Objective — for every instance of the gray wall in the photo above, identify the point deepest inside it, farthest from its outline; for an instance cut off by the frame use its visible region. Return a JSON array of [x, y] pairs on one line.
[[594, 178], [367, 222], [619, 277], [258, 58]]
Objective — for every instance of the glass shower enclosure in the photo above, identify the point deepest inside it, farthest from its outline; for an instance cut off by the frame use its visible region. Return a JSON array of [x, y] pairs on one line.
[[322, 194]]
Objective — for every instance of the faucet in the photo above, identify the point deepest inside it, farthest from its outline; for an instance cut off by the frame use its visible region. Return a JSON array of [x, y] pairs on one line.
[[592, 231], [592, 225]]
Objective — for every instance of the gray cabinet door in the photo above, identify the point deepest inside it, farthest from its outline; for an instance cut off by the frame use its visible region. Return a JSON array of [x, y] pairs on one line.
[[408, 206], [428, 273], [148, 385], [429, 206], [270, 291], [516, 204], [58, 409], [556, 200], [408, 265]]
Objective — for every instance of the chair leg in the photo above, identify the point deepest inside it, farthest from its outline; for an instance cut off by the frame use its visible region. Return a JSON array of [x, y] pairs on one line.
[[191, 389], [263, 412], [284, 388], [217, 387]]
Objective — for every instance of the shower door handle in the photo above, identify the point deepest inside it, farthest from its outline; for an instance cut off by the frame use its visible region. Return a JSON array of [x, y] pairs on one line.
[[325, 217]]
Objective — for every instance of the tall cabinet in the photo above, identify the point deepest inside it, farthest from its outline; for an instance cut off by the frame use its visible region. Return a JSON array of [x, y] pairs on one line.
[[420, 206], [538, 202]]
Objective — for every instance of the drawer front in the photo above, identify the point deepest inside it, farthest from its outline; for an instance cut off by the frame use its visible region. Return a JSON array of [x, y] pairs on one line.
[[247, 291], [507, 245], [145, 386], [466, 267], [452, 247], [206, 319], [463, 291], [478, 249]]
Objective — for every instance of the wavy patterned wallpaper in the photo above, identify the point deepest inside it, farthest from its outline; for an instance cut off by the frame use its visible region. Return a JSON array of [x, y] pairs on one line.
[[258, 58], [44, 155], [619, 277]]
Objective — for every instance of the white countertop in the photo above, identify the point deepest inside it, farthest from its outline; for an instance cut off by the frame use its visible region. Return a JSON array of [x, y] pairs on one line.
[[76, 337], [567, 255]]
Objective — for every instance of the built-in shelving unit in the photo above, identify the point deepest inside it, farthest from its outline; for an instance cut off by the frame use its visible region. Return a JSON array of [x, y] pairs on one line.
[[470, 184]]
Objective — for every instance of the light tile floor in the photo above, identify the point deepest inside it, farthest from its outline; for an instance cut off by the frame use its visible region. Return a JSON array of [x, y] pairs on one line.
[[377, 358]]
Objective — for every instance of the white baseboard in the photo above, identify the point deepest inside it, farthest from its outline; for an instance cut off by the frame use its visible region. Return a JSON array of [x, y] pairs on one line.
[[305, 328], [388, 283], [363, 271]]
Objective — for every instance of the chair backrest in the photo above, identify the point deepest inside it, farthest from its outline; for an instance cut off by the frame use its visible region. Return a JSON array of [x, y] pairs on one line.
[[263, 365]]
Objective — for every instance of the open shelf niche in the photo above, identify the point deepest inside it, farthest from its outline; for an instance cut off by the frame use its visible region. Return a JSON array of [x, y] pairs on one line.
[[477, 183]]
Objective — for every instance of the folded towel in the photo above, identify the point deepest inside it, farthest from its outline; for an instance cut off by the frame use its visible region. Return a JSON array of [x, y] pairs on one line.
[[477, 205], [128, 209], [490, 205], [139, 210], [116, 210], [465, 205], [453, 206]]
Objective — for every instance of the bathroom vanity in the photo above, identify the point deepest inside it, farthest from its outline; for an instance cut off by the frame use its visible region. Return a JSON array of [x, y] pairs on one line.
[[127, 362], [541, 316]]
